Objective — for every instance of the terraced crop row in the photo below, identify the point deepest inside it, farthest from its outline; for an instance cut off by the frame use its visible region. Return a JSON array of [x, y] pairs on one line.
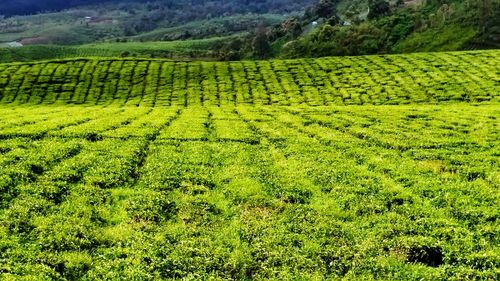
[[415, 78], [250, 192]]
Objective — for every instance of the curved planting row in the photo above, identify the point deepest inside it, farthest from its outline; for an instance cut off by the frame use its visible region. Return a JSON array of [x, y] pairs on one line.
[[415, 78], [227, 192]]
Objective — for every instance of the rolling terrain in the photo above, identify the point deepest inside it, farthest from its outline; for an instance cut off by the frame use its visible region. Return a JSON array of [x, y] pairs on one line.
[[178, 50], [249, 140], [395, 79], [284, 28], [59, 22], [354, 168]]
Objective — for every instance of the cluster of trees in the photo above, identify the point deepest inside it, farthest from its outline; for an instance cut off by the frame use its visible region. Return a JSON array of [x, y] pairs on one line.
[[24, 7], [265, 42], [167, 13], [387, 26], [202, 7], [177, 19]]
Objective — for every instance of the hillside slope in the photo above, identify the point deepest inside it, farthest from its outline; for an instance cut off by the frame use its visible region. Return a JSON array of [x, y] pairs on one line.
[[381, 26], [338, 168], [119, 20], [260, 29], [24, 7], [395, 79], [182, 50]]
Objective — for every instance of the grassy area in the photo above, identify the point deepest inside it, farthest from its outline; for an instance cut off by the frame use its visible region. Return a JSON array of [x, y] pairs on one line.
[[395, 79], [144, 48], [447, 38], [172, 49], [66, 27]]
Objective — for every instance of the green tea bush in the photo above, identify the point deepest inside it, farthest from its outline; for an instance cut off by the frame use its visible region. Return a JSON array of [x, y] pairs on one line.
[[246, 170], [396, 79]]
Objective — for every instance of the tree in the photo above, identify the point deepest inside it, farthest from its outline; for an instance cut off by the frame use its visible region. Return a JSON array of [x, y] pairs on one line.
[[485, 8], [378, 8], [445, 12], [260, 44], [326, 8], [327, 33], [293, 27], [334, 20]]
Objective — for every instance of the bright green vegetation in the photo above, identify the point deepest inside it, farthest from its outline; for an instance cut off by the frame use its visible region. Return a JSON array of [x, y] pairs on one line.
[[447, 38], [170, 49], [406, 192], [123, 169], [416, 78]]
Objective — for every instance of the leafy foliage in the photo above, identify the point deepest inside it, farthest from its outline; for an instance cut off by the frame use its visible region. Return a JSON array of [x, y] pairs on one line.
[[249, 192], [138, 20], [215, 7], [416, 78], [397, 28], [378, 8], [251, 169]]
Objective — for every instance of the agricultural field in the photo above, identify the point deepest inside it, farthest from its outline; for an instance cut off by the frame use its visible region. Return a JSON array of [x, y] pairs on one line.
[[355, 168], [250, 192], [395, 79], [171, 49]]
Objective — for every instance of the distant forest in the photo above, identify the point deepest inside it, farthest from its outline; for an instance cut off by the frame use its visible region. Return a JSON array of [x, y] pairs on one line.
[[24, 7]]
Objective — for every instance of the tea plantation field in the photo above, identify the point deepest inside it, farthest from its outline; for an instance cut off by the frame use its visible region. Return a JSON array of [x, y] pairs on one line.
[[417, 78], [167, 49], [149, 170]]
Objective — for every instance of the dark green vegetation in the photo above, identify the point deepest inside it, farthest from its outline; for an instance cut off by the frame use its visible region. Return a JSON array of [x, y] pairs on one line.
[[416, 78], [256, 29], [176, 8], [162, 20], [22, 7], [119, 29], [202, 48], [251, 170], [381, 26]]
